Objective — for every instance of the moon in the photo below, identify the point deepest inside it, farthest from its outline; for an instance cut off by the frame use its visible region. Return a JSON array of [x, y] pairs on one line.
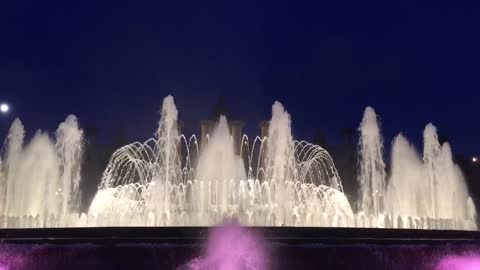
[[4, 108]]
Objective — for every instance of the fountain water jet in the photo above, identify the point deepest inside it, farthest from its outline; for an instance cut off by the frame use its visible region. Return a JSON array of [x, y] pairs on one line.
[[218, 187], [405, 196], [411, 178], [14, 144], [221, 167], [372, 168], [280, 159], [42, 178], [431, 150], [274, 181], [70, 150]]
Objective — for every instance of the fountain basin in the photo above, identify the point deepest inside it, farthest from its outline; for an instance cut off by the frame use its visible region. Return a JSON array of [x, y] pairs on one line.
[[195, 235], [171, 247]]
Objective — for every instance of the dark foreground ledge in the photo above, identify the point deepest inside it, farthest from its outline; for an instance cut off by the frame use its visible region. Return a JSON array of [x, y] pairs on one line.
[[195, 235], [148, 248]]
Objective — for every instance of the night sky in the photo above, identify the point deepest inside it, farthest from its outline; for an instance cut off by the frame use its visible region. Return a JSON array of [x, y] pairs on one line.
[[111, 64]]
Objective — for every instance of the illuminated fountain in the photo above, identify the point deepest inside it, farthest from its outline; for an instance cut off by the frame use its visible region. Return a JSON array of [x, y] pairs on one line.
[[288, 183], [40, 180], [372, 175], [170, 180], [434, 187], [428, 194]]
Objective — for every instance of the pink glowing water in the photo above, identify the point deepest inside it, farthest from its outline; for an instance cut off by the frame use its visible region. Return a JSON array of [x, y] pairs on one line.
[[232, 247], [467, 262]]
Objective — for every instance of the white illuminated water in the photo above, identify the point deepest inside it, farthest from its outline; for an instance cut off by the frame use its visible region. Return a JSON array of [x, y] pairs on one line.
[[274, 181]]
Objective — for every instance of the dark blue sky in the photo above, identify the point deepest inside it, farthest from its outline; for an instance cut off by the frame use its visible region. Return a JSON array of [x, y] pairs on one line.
[[112, 63]]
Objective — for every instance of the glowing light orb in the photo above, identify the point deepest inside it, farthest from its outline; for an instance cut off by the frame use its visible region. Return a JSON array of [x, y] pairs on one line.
[[474, 159], [4, 108]]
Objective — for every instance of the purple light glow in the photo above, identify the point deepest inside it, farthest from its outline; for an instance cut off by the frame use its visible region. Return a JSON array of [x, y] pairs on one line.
[[467, 262], [232, 247], [9, 260]]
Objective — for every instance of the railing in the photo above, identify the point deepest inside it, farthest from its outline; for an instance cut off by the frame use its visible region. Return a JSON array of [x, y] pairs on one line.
[[150, 220]]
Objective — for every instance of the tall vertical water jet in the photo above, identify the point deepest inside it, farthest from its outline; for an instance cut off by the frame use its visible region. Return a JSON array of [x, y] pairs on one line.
[[280, 158], [405, 195], [168, 140], [69, 146], [299, 174], [167, 165], [451, 191], [220, 168], [372, 168], [14, 145], [280, 163], [431, 151], [446, 185], [33, 188]]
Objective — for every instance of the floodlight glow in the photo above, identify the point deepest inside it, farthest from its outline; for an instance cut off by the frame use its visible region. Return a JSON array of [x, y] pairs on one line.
[[4, 108]]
